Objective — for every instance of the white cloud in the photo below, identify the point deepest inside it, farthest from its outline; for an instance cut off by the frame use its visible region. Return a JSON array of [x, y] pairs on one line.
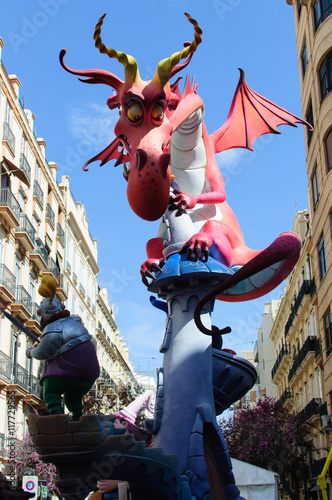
[[92, 122], [229, 159]]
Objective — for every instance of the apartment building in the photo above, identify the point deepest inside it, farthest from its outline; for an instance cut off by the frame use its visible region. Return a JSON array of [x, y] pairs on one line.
[[43, 230], [313, 27], [298, 370]]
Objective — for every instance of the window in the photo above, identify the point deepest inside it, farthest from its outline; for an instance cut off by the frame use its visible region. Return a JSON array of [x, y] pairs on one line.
[[310, 119], [322, 257], [315, 188], [304, 59], [8, 113], [308, 327], [328, 148], [322, 8], [325, 75], [313, 322], [328, 331], [319, 383], [2, 244]]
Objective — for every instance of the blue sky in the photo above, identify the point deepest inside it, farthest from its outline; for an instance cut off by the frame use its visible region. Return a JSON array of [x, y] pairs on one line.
[[264, 188]]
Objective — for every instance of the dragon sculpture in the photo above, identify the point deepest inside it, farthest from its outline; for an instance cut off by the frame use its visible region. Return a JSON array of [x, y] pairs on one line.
[[169, 164], [161, 133]]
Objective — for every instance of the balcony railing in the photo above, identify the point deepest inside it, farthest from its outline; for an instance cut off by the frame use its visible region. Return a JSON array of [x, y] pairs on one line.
[[316, 467], [81, 289], [60, 233], [21, 376], [22, 297], [34, 387], [8, 199], [309, 345], [34, 306], [307, 287], [24, 164], [283, 352], [26, 227], [68, 266], [288, 394], [5, 366], [38, 192], [54, 268], [50, 214], [8, 136], [311, 409], [7, 279], [41, 250], [74, 276]]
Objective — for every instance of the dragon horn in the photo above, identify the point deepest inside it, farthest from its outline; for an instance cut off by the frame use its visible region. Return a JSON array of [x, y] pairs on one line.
[[164, 69], [130, 65]]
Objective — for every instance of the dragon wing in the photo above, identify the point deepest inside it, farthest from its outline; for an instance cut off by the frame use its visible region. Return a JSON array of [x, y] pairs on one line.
[[114, 151], [251, 115]]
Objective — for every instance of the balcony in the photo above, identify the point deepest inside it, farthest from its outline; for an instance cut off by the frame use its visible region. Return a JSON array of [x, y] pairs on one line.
[[74, 278], [22, 308], [287, 397], [81, 290], [9, 137], [68, 268], [38, 194], [311, 410], [39, 256], [308, 287], [34, 387], [33, 322], [26, 233], [15, 377], [305, 356], [60, 234], [24, 165], [50, 216], [9, 208], [5, 369], [53, 268], [62, 288], [316, 467], [284, 355], [7, 285]]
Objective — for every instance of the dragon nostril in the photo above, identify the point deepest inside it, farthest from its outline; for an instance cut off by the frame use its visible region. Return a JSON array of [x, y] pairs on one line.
[[142, 158]]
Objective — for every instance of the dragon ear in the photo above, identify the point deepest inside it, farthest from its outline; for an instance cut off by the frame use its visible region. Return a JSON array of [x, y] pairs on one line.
[[93, 75]]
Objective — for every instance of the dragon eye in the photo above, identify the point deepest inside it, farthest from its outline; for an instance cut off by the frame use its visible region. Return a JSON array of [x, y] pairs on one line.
[[157, 112], [135, 112]]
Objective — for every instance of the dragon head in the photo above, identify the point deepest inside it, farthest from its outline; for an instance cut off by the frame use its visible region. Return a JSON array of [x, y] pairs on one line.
[[146, 122]]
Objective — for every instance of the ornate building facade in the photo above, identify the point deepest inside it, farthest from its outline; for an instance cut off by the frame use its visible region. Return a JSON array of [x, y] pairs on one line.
[[43, 230]]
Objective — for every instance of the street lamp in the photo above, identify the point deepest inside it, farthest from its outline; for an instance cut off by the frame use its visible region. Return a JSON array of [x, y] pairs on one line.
[[302, 449]]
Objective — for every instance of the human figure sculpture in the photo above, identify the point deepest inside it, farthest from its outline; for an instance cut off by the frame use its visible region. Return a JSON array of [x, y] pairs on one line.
[[71, 365]]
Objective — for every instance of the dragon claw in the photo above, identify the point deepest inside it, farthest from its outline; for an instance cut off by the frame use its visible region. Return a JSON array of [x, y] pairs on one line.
[[149, 274], [145, 281], [206, 254], [197, 252]]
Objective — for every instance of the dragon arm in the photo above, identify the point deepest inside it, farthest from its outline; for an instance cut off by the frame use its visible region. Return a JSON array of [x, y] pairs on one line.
[[251, 115]]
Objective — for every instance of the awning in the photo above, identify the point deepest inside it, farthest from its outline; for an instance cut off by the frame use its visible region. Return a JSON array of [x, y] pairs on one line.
[[18, 172]]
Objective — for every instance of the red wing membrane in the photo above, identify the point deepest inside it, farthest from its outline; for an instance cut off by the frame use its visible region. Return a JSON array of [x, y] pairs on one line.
[[251, 115]]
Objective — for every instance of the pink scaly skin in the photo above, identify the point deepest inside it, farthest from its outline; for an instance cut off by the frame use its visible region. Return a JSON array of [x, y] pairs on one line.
[[152, 133]]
